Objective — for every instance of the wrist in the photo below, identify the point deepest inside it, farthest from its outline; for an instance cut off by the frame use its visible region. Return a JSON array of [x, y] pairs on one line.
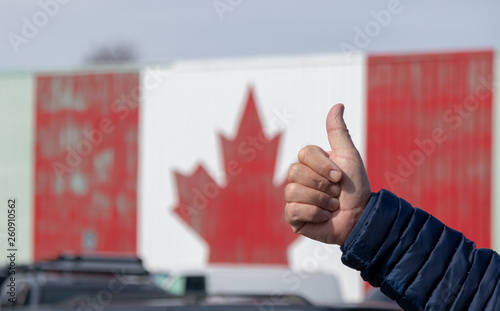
[[358, 211], [359, 216], [355, 215]]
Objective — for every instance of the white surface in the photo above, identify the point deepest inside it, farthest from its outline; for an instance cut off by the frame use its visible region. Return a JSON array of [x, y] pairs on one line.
[[317, 287], [191, 102]]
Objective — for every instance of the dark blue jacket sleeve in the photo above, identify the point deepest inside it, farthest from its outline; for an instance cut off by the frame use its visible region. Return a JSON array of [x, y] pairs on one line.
[[418, 261]]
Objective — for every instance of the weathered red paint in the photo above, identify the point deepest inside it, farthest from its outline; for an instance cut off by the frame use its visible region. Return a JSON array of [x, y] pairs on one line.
[[243, 220], [429, 134], [85, 184]]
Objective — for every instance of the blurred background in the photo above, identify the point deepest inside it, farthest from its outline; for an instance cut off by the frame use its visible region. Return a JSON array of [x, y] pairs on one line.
[[165, 130], [148, 31]]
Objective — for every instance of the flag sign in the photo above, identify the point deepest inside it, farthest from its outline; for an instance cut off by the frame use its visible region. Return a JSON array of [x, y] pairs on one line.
[[186, 164]]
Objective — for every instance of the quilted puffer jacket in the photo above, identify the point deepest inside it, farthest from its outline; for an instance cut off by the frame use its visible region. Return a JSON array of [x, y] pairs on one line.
[[418, 261]]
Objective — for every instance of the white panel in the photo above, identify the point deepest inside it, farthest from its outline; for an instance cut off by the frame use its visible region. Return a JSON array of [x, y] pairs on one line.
[[187, 105], [16, 158]]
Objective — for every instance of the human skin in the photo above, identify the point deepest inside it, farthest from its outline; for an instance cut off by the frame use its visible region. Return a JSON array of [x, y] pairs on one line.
[[327, 191]]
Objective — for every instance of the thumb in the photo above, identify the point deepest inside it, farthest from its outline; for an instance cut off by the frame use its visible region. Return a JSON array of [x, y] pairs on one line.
[[338, 134]]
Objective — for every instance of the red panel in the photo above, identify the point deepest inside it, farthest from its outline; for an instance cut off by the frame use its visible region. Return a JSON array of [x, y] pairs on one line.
[[429, 135], [86, 163], [242, 221]]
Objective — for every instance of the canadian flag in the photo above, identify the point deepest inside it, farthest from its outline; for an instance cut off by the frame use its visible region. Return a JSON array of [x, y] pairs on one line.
[[229, 131], [185, 163]]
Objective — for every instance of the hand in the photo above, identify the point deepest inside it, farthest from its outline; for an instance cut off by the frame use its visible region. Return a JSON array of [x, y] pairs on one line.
[[327, 193]]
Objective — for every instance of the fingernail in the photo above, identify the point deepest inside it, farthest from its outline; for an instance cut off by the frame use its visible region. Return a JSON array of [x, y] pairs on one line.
[[334, 189], [332, 202], [335, 175], [327, 214]]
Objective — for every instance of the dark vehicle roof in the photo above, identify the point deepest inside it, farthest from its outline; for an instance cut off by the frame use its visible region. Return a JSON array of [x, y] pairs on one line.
[[69, 280], [223, 308], [128, 264], [215, 302], [78, 293]]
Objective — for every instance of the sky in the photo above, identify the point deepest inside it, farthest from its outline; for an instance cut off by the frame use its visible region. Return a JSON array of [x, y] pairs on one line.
[[60, 34]]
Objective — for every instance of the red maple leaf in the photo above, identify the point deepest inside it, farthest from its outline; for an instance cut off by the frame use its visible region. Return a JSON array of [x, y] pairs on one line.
[[242, 221]]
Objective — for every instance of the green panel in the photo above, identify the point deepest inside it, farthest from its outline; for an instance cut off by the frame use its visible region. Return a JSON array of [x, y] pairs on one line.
[[16, 162]]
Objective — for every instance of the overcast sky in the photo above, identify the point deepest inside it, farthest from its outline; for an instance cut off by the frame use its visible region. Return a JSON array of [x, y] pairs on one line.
[[37, 36]]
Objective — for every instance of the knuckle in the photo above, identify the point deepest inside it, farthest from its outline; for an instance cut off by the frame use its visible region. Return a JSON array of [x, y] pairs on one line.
[[335, 189], [325, 166], [352, 153], [290, 190], [307, 151], [334, 203], [293, 171], [303, 153], [291, 210], [296, 214], [286, 212], [322, 198], [322, 184]]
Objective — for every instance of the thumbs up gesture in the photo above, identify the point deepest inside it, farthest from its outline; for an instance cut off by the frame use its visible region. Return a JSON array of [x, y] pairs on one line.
[[327, 192]]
